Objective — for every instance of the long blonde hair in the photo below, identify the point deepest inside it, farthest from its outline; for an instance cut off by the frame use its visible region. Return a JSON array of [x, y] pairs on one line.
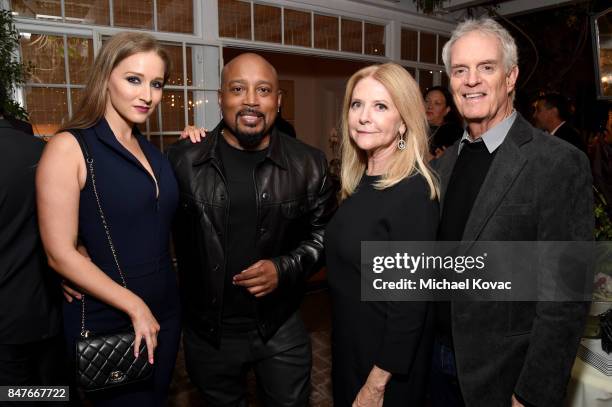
[[407, 98], [92, 104]]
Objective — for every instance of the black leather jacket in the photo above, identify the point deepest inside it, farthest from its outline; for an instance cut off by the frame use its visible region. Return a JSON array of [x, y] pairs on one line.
[[295, 200]]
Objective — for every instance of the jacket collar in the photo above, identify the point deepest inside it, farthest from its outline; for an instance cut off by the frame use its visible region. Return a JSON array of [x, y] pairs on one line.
[[276, 150], [105, 134]]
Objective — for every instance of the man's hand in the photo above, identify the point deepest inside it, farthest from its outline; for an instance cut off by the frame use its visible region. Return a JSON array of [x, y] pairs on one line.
[[373, 391], [193, 133], [260, 278], [516, 403], [69, 292]]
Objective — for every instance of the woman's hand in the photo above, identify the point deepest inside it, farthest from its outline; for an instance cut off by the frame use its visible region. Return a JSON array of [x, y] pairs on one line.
[[145, 327], [373, 391], [195, 134]]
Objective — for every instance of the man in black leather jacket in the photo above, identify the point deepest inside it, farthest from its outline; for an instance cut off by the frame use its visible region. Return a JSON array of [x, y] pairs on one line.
[[249, 232]]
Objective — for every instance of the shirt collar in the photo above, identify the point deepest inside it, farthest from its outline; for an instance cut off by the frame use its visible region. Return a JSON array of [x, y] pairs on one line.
[[492, 137], [557, 128]]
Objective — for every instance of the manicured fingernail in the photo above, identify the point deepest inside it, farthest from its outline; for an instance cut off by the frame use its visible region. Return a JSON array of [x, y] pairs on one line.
[[151, 361], [136, 354]]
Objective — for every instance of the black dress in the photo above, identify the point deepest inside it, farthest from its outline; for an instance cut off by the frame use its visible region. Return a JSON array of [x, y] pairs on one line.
[[395, 336]]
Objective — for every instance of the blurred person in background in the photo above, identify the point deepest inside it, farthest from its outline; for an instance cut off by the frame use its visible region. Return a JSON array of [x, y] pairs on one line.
[[445, 125]]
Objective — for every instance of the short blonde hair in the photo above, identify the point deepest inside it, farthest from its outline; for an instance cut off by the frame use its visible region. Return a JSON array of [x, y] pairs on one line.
[[407, 98]]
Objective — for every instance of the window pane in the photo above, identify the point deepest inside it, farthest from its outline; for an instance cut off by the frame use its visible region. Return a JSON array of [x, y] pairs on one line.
[[444, 80], [428, 48], [47, 108], [80, 59], [133, 13], [175, 52], [411, 71], [46, 52], [173, 111], [88, 12], [409, 44], [192, 104], [267, 23], [235, 19], [154, 121], [425, 79], [297, 28], [75, 95], [175, 16], [374, 39], [326, 32], [351, 36], [441, 42], [188, 54], [37, 8]]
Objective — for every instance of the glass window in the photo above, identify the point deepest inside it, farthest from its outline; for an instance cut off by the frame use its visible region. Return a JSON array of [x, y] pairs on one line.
[[175, 16], [441, 42], [188, 54], [44, 9], [351, 36], [133, 13], [47, 107], [427, 48], [75, 97], [374, 40], [88, 12], [235, 19], [297, 28], [444, 80], [80, 59], [173, 110], [267, 23], [326, 32], [175, 52], [410, 42], [46, 53], [425, 79], [411, 71]]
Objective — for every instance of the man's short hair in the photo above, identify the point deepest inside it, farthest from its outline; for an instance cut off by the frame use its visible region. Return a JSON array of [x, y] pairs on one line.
[[558, 101], [485, 26]]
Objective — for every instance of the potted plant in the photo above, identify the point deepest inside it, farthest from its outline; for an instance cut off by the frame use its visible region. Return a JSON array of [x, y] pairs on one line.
[[12, 72]]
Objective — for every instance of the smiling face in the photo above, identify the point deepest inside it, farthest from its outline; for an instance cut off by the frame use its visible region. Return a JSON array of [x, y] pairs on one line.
[[249, 99], [480, 84], [436, 107], [135, 87], [374, 122]]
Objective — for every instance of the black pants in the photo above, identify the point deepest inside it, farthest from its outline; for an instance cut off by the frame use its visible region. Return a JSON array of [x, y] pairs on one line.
[[281, 365], [41, 363]]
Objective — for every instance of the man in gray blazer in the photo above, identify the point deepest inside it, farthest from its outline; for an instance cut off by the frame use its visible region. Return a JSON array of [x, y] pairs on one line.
[[506, 181]]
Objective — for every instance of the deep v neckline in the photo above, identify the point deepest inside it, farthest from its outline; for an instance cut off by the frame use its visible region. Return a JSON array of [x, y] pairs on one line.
[[151, 173]]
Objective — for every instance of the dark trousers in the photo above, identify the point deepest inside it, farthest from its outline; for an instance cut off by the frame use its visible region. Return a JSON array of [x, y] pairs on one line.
[[444, 390], [40, 363], [281, 365]]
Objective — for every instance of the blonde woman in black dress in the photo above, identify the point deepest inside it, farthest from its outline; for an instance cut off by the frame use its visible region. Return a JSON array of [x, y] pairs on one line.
[[380, 350]]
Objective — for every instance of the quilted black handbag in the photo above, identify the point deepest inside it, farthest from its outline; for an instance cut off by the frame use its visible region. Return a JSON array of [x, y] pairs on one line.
[[105, 361]]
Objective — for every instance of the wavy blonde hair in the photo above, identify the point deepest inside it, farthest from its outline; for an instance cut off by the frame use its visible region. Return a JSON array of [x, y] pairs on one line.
[[407, 98], [92, 103]]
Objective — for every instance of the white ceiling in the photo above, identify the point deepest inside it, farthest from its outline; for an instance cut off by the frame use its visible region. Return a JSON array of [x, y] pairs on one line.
[[456, 9]]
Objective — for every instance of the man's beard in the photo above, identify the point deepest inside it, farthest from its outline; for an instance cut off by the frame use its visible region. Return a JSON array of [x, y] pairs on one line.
[[249, 140]]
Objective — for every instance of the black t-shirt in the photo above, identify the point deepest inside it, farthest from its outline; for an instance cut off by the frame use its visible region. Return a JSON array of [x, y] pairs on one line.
[[241, 245]]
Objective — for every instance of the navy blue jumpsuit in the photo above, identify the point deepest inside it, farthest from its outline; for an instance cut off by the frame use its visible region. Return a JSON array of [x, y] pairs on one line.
[[140, 225]]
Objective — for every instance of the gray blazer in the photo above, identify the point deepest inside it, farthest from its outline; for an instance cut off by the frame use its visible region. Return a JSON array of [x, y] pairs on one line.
[[538, 188]]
